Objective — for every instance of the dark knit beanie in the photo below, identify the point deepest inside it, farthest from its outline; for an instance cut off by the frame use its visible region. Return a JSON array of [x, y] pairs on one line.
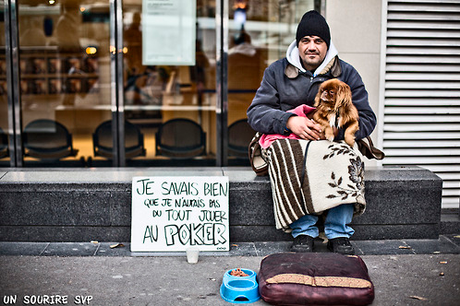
[[313, 24]]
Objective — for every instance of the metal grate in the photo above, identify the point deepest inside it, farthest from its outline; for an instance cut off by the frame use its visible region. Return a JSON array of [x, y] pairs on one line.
[[422, 90]]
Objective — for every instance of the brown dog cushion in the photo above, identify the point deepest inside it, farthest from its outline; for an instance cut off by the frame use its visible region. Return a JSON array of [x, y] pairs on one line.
[[314, 279]]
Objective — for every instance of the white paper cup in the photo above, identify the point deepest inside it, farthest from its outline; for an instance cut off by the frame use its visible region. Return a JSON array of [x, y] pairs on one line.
[[192, 255]]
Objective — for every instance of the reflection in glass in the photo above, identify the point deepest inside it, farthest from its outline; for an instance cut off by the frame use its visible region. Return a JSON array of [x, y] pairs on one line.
[[156, 95], [64, 77]]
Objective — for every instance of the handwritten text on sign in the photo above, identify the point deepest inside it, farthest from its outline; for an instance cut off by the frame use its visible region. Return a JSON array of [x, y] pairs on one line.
[[174, 213]]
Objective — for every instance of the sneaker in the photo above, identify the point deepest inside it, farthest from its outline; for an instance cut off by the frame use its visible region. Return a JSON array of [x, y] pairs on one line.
[[340, 245], [302, 243]]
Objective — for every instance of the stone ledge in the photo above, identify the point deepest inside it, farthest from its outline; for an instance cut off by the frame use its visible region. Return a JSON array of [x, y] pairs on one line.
[[95, 204]]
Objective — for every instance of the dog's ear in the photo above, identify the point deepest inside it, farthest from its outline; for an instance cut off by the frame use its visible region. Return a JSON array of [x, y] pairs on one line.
[[343, 95], [318, 96]]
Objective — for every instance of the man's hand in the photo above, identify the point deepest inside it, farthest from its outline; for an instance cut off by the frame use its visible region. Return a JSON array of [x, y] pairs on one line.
[[305, 128]]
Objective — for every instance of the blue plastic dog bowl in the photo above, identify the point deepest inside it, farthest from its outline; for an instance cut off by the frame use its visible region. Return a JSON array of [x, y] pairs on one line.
[[251, 275], [236, 289]]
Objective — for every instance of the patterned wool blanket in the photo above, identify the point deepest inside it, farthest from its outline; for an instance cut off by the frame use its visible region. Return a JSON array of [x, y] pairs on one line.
[[330, 174]]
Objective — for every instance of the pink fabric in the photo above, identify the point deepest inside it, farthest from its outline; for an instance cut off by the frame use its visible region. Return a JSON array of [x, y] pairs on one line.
[[267, 139]]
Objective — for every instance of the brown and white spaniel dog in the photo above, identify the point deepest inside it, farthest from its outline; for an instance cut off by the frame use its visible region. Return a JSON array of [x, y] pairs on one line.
[[335, 109]]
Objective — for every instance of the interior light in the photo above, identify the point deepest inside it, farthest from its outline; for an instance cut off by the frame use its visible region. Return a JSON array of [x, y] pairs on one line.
[[91, 50], [240, 4], [125, 50], [51, 2]]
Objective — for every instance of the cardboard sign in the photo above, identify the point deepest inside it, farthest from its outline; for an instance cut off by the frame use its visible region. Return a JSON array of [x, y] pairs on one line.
[[174, 213]]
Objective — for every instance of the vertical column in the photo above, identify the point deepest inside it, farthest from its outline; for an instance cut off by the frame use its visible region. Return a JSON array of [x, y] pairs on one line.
[[116, 88], [14, 96], [221, 82], [120, 101]]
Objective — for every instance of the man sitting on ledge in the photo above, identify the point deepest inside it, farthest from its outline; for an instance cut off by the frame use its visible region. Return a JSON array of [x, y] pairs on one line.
[[287, 83]]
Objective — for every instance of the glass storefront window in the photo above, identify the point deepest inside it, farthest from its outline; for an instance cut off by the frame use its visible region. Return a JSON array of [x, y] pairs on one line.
[[73, 84], [4, 149], [64, 68], [174, 106]]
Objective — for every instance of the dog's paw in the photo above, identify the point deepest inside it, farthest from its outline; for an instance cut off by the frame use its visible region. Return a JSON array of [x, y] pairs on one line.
[[351, 144], [350, 140], [329, 134]]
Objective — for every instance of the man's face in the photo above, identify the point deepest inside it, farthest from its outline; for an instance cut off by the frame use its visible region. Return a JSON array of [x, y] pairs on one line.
[[312, 51]]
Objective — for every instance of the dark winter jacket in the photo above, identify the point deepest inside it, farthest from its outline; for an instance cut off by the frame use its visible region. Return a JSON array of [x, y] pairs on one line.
[[286, 85]]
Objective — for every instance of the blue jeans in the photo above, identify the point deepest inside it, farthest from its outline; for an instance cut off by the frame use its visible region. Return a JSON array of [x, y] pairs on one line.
[[335, 224]]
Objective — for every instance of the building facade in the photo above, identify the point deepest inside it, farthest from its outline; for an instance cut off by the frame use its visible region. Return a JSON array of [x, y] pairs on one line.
[[152, 83]]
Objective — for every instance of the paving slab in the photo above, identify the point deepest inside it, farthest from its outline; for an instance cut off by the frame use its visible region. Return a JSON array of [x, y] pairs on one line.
[[23, 248], [446, 244]]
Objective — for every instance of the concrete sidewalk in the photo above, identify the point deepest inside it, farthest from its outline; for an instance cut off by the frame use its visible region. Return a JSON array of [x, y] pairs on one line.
[[95, 274]]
